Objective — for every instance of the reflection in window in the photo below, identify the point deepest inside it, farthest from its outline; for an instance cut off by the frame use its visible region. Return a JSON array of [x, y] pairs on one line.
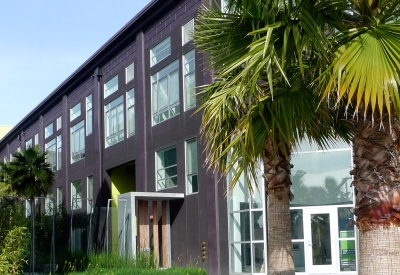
[[114, 116], [347, 241], [187, 30], [51, 158], [191, 166], [75, 111], [189, 79], [166, 168], [48, 130], [77, 141], [89, 114], [111, 86], [129, 71], [160, 51], [322, 178], [76, 194], [130, 112], [165, 88]]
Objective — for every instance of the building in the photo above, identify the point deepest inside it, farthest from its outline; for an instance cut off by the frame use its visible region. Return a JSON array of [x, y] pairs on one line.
[[123, 139]]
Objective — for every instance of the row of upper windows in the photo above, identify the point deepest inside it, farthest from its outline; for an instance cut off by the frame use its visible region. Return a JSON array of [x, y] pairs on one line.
[[165, 103]]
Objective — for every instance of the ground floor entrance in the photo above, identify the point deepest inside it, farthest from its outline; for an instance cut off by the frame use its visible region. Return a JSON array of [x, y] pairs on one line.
[[324, 240]]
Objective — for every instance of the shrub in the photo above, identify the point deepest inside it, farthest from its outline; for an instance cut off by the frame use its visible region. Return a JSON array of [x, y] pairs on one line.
[[12, 257]]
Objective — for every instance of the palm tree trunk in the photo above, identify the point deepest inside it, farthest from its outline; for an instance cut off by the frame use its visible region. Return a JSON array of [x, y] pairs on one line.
[[32, 256], [376, 173], [277, 179]]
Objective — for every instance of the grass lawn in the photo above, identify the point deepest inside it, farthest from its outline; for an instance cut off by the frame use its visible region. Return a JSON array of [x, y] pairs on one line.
[[137, 271]]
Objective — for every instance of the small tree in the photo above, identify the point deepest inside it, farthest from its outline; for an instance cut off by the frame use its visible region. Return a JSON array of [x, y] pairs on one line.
[[28, 175]]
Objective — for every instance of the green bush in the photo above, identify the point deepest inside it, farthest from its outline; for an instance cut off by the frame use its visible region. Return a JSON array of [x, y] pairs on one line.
[[12, 257], [136, 271]]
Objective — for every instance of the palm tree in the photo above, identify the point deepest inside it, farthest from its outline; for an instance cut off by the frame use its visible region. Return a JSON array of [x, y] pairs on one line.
[[363, 73], [262, 104], [28, 175]]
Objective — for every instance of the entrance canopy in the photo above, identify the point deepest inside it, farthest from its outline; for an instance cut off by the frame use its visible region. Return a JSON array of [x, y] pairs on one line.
[[131, 219]]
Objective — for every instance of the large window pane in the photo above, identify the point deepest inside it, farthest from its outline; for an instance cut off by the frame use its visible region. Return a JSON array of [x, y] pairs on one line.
[[77, 141], [51, 157], [89, 116], [111, 86], [241, 258], [299, 257], [130, 105], [189, 80], [160, 51], [347, 254], [240, 226], [257, 225], [165, 85], [76, 194], [322, 178], [75, 111], [166, 168], [114, 116], [130, 72], [48, 130], [296, 218], [187, 30], [258, 258], [191, 166]]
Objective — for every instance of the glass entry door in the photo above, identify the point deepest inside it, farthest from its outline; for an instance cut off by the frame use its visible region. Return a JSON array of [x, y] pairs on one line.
[[320, 226]]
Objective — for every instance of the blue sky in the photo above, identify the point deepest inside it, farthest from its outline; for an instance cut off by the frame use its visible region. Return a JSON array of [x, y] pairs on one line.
[[43, 42]]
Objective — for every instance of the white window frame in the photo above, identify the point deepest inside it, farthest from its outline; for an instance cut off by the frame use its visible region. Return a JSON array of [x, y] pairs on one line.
[[59, 122], [111, 86], [75, 194], [89, 115], [78, 151], [75, 111], [48, 130], [51, 158], [160, 51], [191, 174], [189, 70], [89, 188], [36, 139], [130, 112], [187, 30], [113, 114], [59, 152], [170, 96], [28, 143], [161, 174], [130, 73]]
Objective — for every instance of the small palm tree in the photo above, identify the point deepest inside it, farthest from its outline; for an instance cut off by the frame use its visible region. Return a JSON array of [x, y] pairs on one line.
[[28, 175], [263, 104], [363, 73]]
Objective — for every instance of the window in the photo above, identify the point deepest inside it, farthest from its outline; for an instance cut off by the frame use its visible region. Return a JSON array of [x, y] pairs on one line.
[[48, 204], [111, 86], [75, 111], [165, 88], [77, 142], [37, 139], [59, 196], [90, 194], [166, 168], [246, 222], [187, 30], [76, 195], [129, 71], [28, 144], [59, 122], [160, 51], [51, 157], [191, 166], [130, 112], [89, 115], [48, 130], [189, 79], [114, 115], [59, 152]]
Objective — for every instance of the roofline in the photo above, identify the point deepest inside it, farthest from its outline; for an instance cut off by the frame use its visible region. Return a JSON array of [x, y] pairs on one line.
[[140, 21]]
